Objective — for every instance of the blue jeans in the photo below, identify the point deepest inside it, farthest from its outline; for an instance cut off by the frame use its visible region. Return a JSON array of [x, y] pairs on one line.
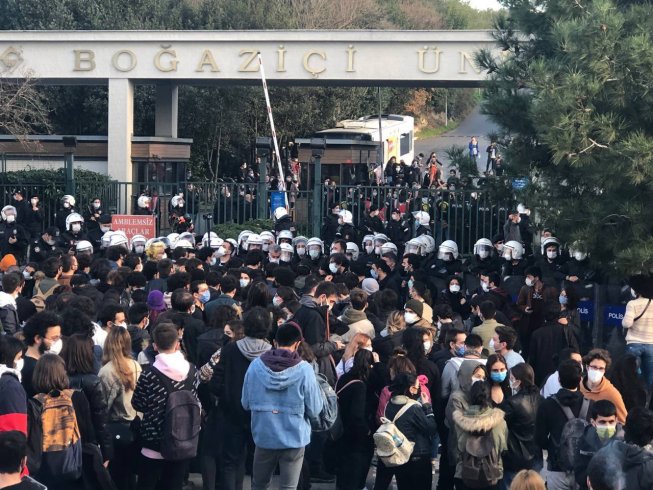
[[644, 352]]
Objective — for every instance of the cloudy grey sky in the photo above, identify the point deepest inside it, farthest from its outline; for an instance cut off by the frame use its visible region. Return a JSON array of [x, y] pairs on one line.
[[485, 4]]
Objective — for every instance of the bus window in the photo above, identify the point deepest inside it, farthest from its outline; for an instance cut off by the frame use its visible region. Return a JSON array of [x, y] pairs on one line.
[[406, 143]]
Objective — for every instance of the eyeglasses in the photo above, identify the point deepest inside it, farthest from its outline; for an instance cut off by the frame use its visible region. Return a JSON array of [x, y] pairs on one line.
[[596, 368]]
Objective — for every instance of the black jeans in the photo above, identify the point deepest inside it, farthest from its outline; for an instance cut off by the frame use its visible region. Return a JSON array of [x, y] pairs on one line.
[[234, 455], [353, 465], [160, 474], [461, 486], [384, 476], [415, 475]]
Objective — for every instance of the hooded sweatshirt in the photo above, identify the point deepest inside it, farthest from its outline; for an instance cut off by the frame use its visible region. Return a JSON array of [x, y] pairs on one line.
[[606, 391], [13, 401], [357, 322], [282, 393], [634, 462], [9, 313]]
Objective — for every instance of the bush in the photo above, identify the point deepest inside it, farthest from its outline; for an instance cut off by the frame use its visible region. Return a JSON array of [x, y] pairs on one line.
[[232, 230]]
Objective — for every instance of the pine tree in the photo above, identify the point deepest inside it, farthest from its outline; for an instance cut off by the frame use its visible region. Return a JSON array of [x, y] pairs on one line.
[[573, 96]]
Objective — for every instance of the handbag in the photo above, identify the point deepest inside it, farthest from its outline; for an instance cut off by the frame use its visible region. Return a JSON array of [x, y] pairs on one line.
[[121, 434]]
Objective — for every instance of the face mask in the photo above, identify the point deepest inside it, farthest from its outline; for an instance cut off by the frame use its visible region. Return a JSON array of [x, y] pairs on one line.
[[427, 346], [164, 256], [477, 379], [491, 346], [11, 218], [333, 267], [34, 202], [459, 351], [244, 283], [507, 256], [551, 254], [377, 250], [594, 376], [75, 227], [446, 257], [266, 247], [301, 251], [340, 221], [19, 364], [485, 286], [411, 283], [105, 228], [563, 299], [274, 261], [313, 254], [66, 205], [374, 274], [120, 325], [97, 205], [56, 347], [277, 301], [369, 249], [139, 249], [410, 317], [205, 297], [454, 288], [27, 275], [606, 431], [529, 281], [514, 386], [580, 256], [499, 377], [483, 254]]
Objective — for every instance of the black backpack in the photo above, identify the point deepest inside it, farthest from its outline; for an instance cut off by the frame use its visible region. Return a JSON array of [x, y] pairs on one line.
[[572, 433], [182, 422]]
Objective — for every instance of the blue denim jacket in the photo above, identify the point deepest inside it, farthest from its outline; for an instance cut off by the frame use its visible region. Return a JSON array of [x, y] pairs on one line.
[[281, 404]]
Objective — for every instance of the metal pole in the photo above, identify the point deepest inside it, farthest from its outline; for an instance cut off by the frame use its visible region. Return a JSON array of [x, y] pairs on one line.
[[70, 174], [446, 109], [317, 195], [381, 158], [262, 188]]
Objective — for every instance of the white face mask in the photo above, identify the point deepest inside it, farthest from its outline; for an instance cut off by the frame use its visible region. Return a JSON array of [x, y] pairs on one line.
[[97, 205], [410, 317], [580, 256], [66, 205], [277, 301], [369, 249], [594, 376], [105, 228], [514, 386], [274, 260], [454, 288], [552, 254], [485, 286], [483, 254], [75, 227], [313, 254], [19, 364], [529, 281], [491, 346], [301, 251], [333, 267], [11, 218], [377, 250], [244, 283], [56, 347], [427, 346], [139, 249]]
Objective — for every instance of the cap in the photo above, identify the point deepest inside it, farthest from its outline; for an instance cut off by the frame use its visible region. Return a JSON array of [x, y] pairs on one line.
[[7, 261], [370, 286], [416, 306], [155, 301]]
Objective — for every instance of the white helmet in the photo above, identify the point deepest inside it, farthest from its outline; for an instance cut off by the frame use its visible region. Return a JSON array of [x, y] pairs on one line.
[[368, 244], [69, 199], [73, 218], [279, 213], [577, 251], [83, 247], [513, 250], [206, 239], [234, 245], [242, 238], [173, 238], [7, 209], [483, 248], [423, 218], [522, 209], [187, 235], [285, 235], [299, 239], [547, 242], [106, 239], [254, 239], [286, 252], [314, 242], [352, 249], [183, 243], [447, 247], [380, 238], [428, 242], [414, 246], [389, 247], [118, 238], [347, 217], [143, 201], [175, 200], [137, 244], [268, 239]]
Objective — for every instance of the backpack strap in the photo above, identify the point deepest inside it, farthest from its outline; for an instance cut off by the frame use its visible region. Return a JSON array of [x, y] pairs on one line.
[[189, 382], [584, 409], [643, 311], [351, 382], [402, 411], [566, 410]]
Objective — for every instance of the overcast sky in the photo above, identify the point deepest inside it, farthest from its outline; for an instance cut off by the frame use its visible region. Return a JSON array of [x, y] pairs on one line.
[[485, 4]]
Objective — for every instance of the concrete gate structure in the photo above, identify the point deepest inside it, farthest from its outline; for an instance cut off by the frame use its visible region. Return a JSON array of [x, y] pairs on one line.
[[122, 59]]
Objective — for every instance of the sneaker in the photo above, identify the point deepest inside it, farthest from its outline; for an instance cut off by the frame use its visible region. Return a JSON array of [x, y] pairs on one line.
[[322, 477]]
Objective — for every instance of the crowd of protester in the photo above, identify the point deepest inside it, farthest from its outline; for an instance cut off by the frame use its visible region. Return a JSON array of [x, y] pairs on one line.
[[131, 363]]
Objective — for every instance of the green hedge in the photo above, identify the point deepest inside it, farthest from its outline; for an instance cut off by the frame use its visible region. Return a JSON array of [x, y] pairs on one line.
[[232, 230]]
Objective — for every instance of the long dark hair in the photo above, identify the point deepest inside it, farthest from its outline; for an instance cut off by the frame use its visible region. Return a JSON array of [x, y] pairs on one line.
[[363, 360], [479, 394], [77, 354], [414, 343], [505, 385], [402, 383], [258, 295]]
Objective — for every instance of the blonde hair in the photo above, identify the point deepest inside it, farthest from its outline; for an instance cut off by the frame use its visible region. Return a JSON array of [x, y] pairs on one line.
[[395, 322], [527, 480], [357, 342], [117, 351]]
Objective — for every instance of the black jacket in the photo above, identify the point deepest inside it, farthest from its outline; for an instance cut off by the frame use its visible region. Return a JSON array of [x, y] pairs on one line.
[[417, 424], [208, 343], [588, 446], [546, 343], [430, 370], [91, 386], [520, 413], [550, 420], [636, 463], [385, 346], [357, 411]]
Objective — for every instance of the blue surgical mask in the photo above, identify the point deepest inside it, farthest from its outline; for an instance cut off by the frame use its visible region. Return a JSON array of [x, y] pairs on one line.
[[499, 377], [459, 351], [374, 274], [205, 296], [563, 299]]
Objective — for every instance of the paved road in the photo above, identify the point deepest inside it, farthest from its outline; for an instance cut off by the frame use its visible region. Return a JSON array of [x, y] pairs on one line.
[[476, 124]]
